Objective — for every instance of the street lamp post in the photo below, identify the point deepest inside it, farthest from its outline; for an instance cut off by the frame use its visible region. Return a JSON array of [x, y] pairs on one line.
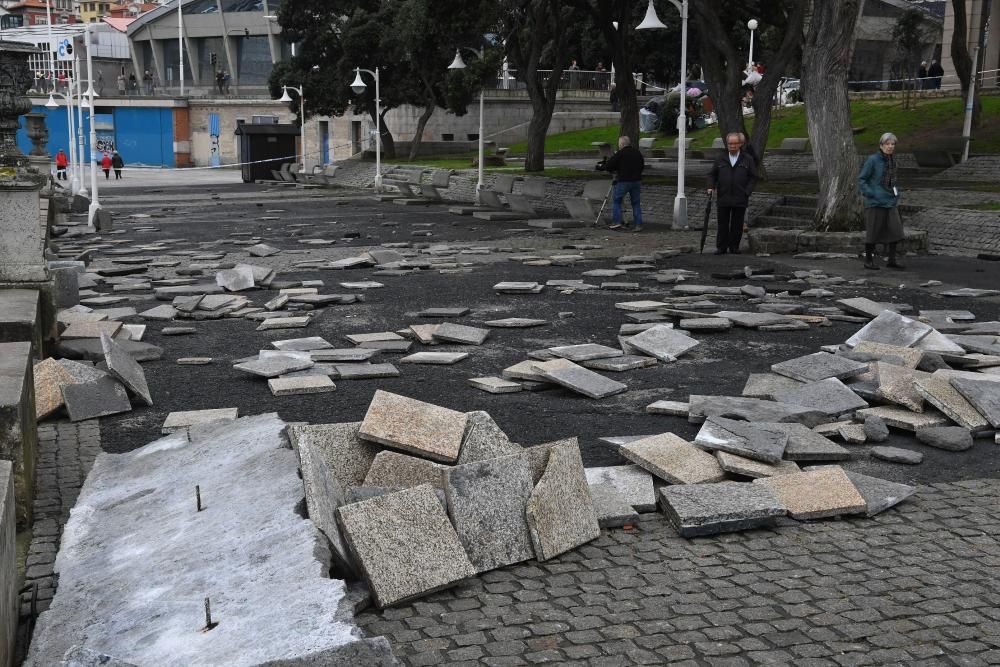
[[652, 22], [752, 24], [285, 97], [358, 86], [52, 104], [81, 188], [95, 204], [458, 63]]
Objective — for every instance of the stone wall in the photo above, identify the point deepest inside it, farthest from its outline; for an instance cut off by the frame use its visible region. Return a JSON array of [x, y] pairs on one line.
[[18, 430], [8, 566], [954, 231]]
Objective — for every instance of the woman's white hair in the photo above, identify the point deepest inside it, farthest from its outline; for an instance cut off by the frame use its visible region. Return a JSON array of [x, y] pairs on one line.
[[888, 136]]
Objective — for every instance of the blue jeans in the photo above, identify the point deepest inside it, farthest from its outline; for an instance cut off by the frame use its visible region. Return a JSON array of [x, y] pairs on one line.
[[631, 188]]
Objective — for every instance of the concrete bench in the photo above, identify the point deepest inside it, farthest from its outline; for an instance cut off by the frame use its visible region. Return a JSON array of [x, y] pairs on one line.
[[18, 428], [646, 144], [530, 187], [325, 176], [603, 149], [440, 180], [793, 146], [586, 207], [405, 180], [21, 318]]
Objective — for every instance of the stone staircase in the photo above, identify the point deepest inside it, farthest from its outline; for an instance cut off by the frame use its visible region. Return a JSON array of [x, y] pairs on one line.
[[792, 212]]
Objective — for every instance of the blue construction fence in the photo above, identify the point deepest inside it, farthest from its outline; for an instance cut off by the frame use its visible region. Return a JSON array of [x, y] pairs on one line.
[[143, 136]]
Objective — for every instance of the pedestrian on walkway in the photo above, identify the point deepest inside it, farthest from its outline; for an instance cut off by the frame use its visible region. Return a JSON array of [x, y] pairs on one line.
[[880, 190], [106, 166], [62, 162], [122, 82], [118, 164], [133, 84], [922, 76], [732, 178], [935, 72], [147, 83], [627, 164]]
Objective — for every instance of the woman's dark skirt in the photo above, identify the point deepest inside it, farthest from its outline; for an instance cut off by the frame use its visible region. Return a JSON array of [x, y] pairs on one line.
[[883, 225]]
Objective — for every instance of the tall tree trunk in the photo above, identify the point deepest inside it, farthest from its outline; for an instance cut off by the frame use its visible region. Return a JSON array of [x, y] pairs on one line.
[[722, 66], [825, 63], [543, 103], [418, 136], [961, 58], [629, 118]]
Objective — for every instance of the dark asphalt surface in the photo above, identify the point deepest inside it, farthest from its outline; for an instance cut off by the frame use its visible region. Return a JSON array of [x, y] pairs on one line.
[[719, 365]]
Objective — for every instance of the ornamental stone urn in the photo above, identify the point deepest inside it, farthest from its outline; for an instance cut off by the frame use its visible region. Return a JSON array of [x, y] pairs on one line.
[[38, 133]]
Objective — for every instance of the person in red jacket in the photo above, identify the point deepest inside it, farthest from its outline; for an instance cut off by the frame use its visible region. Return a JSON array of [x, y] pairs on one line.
[[106, 166], [62, 162]]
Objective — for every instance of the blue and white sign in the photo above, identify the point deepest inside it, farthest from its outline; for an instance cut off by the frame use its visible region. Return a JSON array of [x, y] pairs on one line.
[[64, 50]]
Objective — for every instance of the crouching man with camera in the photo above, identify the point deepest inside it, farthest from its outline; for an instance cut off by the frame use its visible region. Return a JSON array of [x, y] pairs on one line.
[[628, 164]]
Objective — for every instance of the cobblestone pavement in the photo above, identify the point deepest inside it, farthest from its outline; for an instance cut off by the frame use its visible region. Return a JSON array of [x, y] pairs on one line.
[[66, 452], [916, 585]]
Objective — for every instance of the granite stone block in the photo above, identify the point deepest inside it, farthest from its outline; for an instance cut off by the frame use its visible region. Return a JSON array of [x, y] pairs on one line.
[[805, 444], [122, 366], [983, 395], [460, 333], [663, 343], [302, 344], [891, 328], [435, 358], [585, 352], [709, 509], [633, 484], [752, 409], [879, 494], [183, 420], [611, 507], [495, 385], [404, 544], [365, 371], [579, 379], [819, 366], [939, 392], [626, 362], [896, 385], [830, 396], [766, 385], [272, 367], [49, 378], [816, 494], [100, 398], [312, 384], [739, 465], [673, 460], [401, 471], [486, 502], [904, 419], [91, 330], [413, 426], [745, 439], [560, 510], [893, 354], [484, 439]]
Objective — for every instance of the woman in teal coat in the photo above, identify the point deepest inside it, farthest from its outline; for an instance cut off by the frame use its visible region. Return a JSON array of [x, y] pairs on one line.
[[879, 186]]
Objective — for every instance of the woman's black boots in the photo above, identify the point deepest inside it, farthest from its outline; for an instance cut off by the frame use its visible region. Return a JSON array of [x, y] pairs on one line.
[[892, 263], [870, 257]]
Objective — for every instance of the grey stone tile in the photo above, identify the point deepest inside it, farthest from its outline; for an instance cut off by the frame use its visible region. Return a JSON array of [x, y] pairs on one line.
[[364, 371], [663, 343], [708, 509], [766, 385], [435, 358], [495, 385], [984, 395], [626, 362], [579, 379], [487, 501], [939, 392], [91, 329], [816, 494], [377, 530], [274, 366], [100, 398], [421, 428], [484, 439], [284, 323], [805, 444], [302, 344], [904, 419], [515, 323], [401, 471], [752, 409], [673, 460], [182, 420], [879, 494], [739, 465], [560, 511], [350, 354], [673, 408], [126, 369], [819, 366], [891, 328], [895, 384], [611, 508], [747, 439], [753, 320], [460, 333], [236, 279], [633, 484], [309, 384], [830, 396], [585, 352]]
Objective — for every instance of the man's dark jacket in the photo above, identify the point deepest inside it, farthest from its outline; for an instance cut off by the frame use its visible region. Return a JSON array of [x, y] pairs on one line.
[[733, 185], [628, 163]]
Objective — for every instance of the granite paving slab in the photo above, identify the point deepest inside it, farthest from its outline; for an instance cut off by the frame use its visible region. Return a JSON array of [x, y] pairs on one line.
[[897, 455], [939, 392], [424, 333], [903, 419], [402, 471], [560, 510], [284, 323], [404, 544], [970, 292], [515, 323], [159, 313], [819, 366], [864, 306], [706, 324], [830, 396], [585, 352], [879, 494], [983, 395], [742, 438], [611, 509], [272, 367], [632, 483], [484, 439], [262, 250], [891, 328], [752, 409], [752, 320], [487, 503], [579, 379], [414, 426], [626, 362], [853, 434], [816, 494], [709, 509], [443, 312], [460, 333], [938, 342], [348, 354], [805, 444], [236, 279], [673, 459], [495, 385], [438, 358], [365, 371], [673, 408], [126, 369], [739, 465], [309, 384], [766, 385], [183, 420], [896, 385], [49, 377], [302, 344], [980, 344], [640, 306], [99, 398], [523, 370], [91, 329], [663, 343]]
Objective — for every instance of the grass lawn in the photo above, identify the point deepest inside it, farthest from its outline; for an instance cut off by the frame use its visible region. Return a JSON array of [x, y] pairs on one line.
[[919, 126]]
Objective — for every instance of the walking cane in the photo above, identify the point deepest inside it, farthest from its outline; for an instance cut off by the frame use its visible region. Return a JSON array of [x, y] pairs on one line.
[[597, 222], [704, 229]]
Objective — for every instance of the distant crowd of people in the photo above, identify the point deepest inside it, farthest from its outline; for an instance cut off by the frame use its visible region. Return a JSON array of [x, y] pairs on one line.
[[929, 78], [110, 160]]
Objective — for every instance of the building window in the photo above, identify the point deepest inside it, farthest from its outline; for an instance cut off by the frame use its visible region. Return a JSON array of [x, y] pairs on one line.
[[264, 120]]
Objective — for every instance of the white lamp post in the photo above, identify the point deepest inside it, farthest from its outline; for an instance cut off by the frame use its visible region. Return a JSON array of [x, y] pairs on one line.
[[81, 188], [302, 115], [458, 63], [358, 86], [752, 24], [95, 204], [180, 41], [52, 104], [652, 22]]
